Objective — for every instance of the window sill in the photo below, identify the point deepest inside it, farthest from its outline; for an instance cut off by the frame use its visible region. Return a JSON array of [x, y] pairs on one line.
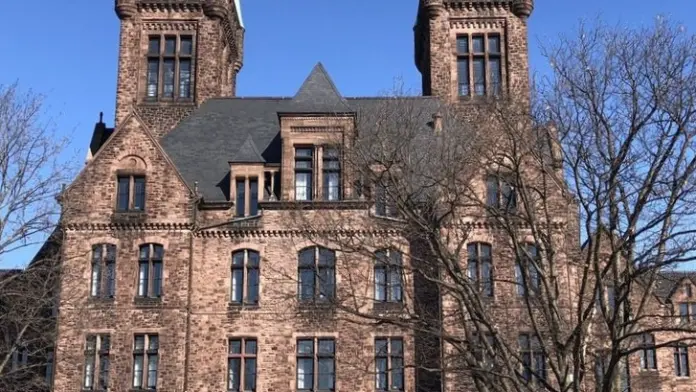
[[157, 102], [147, 302], [237, 306], [379, 307]]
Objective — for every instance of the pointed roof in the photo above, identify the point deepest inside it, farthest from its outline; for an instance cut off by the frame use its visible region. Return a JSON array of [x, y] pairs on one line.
[[238, 6], [319, 92], [248, 153]]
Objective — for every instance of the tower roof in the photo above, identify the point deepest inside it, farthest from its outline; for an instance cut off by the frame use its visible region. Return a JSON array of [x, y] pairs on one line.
[[319, 92], [238, 6]]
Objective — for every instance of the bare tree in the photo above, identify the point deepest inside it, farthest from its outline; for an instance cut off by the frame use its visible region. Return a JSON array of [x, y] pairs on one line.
[[31, 174], [533, 232]]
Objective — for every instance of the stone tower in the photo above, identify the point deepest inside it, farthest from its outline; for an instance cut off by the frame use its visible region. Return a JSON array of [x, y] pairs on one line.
[[174, 55], [466, 50]]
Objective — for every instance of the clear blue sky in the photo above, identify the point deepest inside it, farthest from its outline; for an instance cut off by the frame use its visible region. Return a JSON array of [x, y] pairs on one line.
[[68, 49]]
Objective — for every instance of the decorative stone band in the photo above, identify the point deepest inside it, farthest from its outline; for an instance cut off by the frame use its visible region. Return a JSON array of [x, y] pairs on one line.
[[521, 8], [170, 26], [477, 24]]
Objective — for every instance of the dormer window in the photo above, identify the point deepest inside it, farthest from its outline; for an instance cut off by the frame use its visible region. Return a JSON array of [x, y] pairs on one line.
[[304, 164], [169, 67], [479, 64], [246, 196], [130, 193]]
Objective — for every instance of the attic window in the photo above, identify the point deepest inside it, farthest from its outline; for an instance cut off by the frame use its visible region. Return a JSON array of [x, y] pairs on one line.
[[688, 290]]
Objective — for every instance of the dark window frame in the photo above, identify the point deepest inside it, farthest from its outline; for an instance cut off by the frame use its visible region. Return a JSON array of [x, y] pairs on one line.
[[533, 358], [320, 268], [238, 361], [501, 195], [148, 354], [103, 275], [331, 165], [317, 356], [385, 204], [151, 286], [299, 159], [468, 55], [529, 283], [129, 199], [156, 91], [687, 312], [476, 261], [389, 264], [248, 267], [648, 352], [97, 362], [681, 360], [391, 376]]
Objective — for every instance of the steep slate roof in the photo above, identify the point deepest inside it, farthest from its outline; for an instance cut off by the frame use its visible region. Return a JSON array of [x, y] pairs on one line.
[[237, 129]]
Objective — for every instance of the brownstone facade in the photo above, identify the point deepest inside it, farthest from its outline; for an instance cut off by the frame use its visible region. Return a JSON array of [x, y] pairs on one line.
[[183, 297]]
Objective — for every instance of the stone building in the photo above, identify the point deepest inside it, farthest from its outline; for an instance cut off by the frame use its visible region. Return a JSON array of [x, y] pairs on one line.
[[188, 274]]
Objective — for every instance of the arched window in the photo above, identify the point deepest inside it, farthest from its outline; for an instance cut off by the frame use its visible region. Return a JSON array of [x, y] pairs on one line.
[[388, 271], [245, 273], [316, 271], [480, 267], [526, 272], [150, 261], [103, 282]]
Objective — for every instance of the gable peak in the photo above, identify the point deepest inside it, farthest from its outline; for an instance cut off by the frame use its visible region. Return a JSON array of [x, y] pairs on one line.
[[318, 87]]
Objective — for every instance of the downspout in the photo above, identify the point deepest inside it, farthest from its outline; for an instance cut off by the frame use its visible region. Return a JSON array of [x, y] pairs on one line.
[[187, 344]]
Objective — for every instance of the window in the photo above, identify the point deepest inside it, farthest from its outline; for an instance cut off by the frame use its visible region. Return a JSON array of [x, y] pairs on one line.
[[317, 274], [389, 364], [97, 362], [533, 358], [304, 165], [145, 356], [253, 196], [241, 196], [688, 290], [20, 357], [150, 270], [648, 357], [103, 282], [483, 347], [169, 67], [241, 365], [316, 365], [130, 193], [681, 360], [500, 194], [526, 272], [602, 360], [48, 374], [388, 276], [385, 202], [480, 267], [479, 58], [271, 185], [687, 312], [245, 269], [332, 174]]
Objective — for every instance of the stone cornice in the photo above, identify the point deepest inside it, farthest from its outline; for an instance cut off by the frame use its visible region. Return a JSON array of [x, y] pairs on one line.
[[169, 5], [171, 26], [136, 226], [478, 4], [291, 233], [478, 24]]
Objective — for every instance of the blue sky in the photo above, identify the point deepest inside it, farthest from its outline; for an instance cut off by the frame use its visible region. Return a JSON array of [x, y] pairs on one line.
[[68, 49]]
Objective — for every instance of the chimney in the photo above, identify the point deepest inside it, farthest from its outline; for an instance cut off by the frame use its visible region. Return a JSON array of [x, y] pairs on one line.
[[437, 123]]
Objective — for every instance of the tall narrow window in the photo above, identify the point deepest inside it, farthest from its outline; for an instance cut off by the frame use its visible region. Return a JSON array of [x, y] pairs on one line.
[[245, 273], [526, 272], [241, 196], [479, 59], [48, 374], [241, 365], [316, 365], [500, 194], [103, 283], [253, 196], [303, 173], [681, 360], [316, 274], [388, 276], [533, 358], [480, 267], [97, 364], [169, 67], [389, 364], [150, 267], [130, 193], [385, 200], [332, 174], [648, 355], [687, 312], [145, 361]]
